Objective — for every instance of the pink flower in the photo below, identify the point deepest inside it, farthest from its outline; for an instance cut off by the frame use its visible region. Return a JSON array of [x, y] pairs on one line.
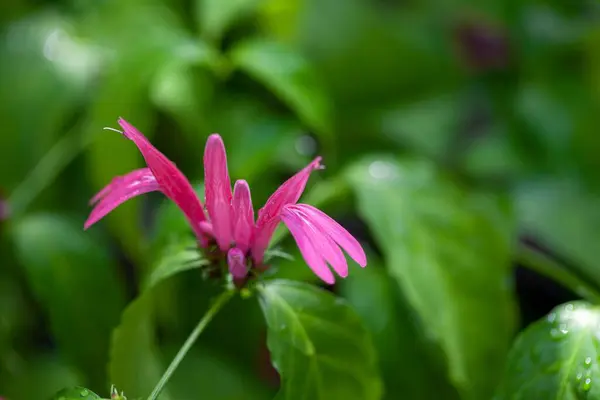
[[230, 224]]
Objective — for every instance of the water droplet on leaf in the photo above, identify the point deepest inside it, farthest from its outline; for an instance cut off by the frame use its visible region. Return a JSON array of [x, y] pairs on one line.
[[587, 384]]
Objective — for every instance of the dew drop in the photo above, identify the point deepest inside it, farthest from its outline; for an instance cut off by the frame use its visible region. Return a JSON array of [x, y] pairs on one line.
[[84, 392], [569, 307], [579, 376], [563, 329], [588, 361], [551, 317], [557, 334], [587, 384]]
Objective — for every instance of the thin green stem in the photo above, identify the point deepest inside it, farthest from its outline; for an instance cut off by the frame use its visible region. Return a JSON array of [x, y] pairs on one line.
[[546, 266], [212, 311], [47, 169]]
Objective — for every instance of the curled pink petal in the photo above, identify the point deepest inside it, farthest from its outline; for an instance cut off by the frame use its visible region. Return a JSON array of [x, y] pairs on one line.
[[311, 253], [217, 186], [319, 238], [171, 180], [121, 189], [268, 216], [243, 220], [237, 263], [337, 232]]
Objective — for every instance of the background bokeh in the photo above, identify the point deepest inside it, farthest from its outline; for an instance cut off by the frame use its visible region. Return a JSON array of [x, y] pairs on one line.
[[461, 143]]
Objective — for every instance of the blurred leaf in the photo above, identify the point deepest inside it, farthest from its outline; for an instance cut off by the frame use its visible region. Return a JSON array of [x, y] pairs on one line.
[[280, 17], [492, 155], [49, 62], [564, 216], [171, 229], [216, 377], [46, 171], [315, 337], [76, 392], [374, 54], [124, 90], [135, 363], [177, 258], [38, 378], [556, 357], [113, 155], [171, 226], [184, 88], [404, 360], [258, 143], [425, 126], [445, 246], [216, 16], [255, 136], [69, 270], [290, 77]]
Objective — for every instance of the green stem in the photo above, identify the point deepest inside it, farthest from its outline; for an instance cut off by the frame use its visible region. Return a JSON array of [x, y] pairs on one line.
[[212, 311], [47, 169], [546, 266]]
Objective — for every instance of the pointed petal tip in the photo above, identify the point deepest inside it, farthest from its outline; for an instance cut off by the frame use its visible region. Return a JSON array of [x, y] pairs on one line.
[[215, 139], [242, 183], [328, 280]]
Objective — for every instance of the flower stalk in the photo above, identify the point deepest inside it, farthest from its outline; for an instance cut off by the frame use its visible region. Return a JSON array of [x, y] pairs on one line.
[[206, 319]]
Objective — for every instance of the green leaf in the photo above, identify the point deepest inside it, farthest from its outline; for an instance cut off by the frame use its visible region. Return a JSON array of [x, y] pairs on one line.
[[76, 392], [445, 246], [184, 88], [207, 371], [52, 62], [290, 77], [177, 258], [216, 16], [38, 378], [135, 363], [426, 126], [405, 360], [318, 344], [564, 216], [124, 93], [73, 279], [111, 155], [556, 357], [171, 225], [279, 18]]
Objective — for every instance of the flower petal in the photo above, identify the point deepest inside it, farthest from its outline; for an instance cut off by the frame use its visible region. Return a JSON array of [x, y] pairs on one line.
[[243, 220], [171, 180], [337, 232], [308, 244], [237, 263], [217, 186], [121, 189], [268, 216]]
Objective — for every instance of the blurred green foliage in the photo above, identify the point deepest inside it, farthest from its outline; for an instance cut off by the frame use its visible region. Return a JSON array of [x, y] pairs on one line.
[[450, 131]]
